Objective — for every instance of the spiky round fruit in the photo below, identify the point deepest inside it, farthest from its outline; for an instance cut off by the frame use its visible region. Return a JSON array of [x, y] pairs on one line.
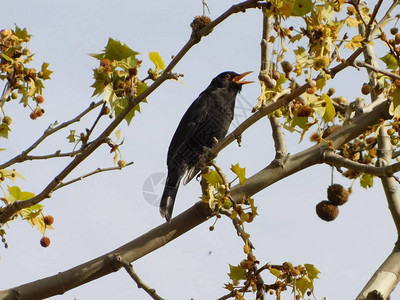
[[321, 62], [5, 33], [391, 131], [287, 67], [45, 241], [227, 204], [39, 99], [311, 90], [276, 75], [7, 120], [394, 140], [48, 220], [337, 194], [331, 91], [394, 30], [397, 38], [278, 113], [33, 115], [14, 95], [304, 111], [327, 211], [314, 137], [366, 89], [330, 130], [199, 23], [121, 163]]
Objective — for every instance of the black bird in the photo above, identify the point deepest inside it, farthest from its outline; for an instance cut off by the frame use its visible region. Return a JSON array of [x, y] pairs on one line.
[[206, 121]]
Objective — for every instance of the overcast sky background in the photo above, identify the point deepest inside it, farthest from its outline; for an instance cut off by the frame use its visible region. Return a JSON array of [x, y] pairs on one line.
[[98, 214]]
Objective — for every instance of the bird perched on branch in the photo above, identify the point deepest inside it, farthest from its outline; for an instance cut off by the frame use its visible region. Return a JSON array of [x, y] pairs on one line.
[[206, 121]]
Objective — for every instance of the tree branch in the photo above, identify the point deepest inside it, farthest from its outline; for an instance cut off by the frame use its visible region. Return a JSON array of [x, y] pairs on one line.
[[386, 278], [337, 160], [53, 128], [98, 170], [140, 283], [63, 281]]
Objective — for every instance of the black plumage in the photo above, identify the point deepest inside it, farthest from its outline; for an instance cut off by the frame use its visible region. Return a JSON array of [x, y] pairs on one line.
[[206, 121]]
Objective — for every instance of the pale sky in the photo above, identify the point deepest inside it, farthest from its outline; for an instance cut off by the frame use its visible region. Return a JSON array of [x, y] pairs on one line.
[[105, 211]]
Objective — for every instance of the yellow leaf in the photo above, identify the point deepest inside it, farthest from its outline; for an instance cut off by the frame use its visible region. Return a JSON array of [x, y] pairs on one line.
[[355, 42], [352, 22], [240, 172], [329, 109], [118, 134], [155, 57]]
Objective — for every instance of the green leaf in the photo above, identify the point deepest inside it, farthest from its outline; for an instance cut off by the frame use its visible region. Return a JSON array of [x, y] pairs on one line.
[[390, 61], [237, 273], [17, 195], [240, 172], [304, 284], [115, 50], [312, 271], [4, 130], [303, 58], [122, 103], [329, 109], [71, 137], [157, 60], [301, 7], [299, 121], [213, 178], [366, 181], [275, 272]]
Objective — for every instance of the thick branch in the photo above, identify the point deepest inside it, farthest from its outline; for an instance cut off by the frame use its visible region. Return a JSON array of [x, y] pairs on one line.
[[386, 278], [63, 281]]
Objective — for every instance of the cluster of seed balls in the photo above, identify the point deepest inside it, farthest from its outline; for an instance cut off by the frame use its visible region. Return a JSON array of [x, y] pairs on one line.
[[328, 210], [45, 240]]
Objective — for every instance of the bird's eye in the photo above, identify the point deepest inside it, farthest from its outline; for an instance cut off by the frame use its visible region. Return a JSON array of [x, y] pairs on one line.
[[228, 76]]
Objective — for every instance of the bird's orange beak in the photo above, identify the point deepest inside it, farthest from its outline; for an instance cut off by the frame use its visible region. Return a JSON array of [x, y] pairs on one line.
[[237, 79]]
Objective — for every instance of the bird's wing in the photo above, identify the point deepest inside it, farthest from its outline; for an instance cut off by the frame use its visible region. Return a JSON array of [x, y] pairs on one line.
[[189, 123]]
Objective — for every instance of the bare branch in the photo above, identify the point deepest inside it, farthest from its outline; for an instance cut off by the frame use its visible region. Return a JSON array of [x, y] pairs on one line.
[[376, 70], [279, 138], [140, 283], [97, 171], [386, 278], [339, 161], [53, 128]]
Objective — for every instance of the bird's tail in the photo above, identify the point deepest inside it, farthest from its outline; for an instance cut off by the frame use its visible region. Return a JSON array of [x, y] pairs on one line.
[[168, 198]]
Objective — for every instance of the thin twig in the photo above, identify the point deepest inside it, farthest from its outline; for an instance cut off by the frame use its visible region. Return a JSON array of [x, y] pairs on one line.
[[97, 171], [53, 128], [140, 283]]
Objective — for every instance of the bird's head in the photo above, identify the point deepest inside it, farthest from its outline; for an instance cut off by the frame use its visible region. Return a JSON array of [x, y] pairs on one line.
[[231, 80]]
